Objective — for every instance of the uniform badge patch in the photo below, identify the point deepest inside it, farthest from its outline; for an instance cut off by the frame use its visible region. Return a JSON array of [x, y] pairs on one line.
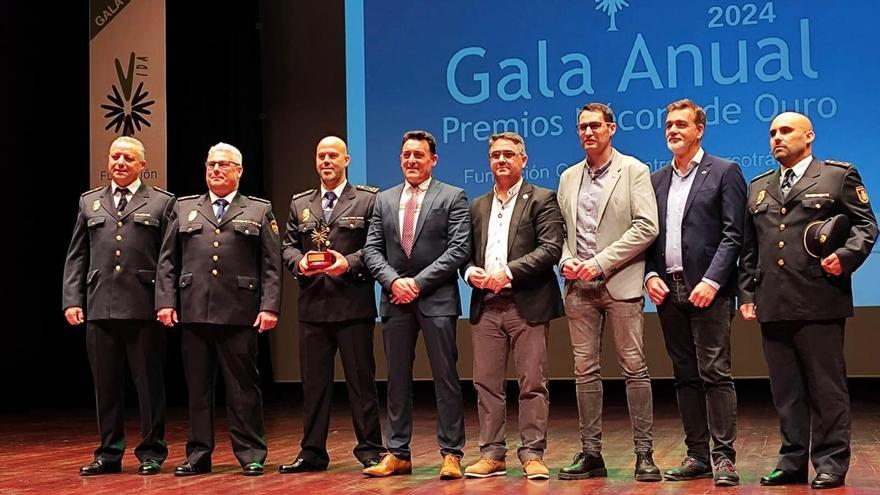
[[96, 205], [275, 227], [760, 198], [862, 194], [192, 215], [306, 214]]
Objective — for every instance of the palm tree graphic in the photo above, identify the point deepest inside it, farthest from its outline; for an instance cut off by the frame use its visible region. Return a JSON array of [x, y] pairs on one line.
[[611, 7]]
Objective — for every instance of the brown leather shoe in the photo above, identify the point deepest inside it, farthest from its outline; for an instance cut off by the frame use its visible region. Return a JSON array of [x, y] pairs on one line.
[[485, 468], [451, 468], [535, 469], [390, 465]]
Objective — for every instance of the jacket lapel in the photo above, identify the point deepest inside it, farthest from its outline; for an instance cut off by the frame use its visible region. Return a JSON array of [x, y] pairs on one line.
[[525, 195], [235, 208], [808, 180], [703, 170], [206, 208], [139, 199], [344, 203], [107, 201], [430, 195]]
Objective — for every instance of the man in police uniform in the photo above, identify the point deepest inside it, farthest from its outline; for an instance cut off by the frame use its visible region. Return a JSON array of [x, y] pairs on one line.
[[223, 261], [802, 301], [337, 307], [111, 271]]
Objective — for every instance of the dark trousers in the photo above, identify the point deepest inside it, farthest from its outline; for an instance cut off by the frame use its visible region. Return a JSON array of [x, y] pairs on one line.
[[698, 343], [808, 381], [235, 349], [109, 344], [400, 334], [318, 343]]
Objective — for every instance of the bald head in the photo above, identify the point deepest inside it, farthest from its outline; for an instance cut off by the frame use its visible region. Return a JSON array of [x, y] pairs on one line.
[[791, 138], [331, 160]]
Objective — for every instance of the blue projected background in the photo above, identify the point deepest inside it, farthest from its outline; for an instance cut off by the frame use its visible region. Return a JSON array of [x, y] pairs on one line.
[[464, 70]]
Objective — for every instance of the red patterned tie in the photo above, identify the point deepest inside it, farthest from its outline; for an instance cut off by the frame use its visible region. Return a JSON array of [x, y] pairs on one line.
[[409, 221]]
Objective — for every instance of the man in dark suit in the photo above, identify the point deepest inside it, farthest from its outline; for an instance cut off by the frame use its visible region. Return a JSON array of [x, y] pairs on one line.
[[802, 301], [692, 280], [337, 307], [220, 270], [418, 239], [110, 271], [517, 235]]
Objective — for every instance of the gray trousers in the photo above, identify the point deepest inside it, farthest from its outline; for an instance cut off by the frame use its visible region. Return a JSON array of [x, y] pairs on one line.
[[588, 306], [502, 330]]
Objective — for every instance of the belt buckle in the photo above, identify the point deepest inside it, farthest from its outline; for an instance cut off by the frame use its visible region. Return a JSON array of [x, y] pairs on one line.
[[677, 276]]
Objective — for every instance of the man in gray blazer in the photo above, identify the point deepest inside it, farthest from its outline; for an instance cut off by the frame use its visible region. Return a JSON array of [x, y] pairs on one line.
[[220, 270], [109, 282], [610, 218], [418, 239], [517, 232]]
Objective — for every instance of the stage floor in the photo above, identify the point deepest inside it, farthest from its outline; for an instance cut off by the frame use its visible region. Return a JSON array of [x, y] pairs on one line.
[[42, 453]]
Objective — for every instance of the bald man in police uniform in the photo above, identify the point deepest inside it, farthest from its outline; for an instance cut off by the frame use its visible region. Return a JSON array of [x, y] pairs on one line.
[[337, 308], [223, 263], [109, 282], [802, 301]]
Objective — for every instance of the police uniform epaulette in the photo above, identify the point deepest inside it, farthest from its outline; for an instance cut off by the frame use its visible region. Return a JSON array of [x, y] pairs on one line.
[[764, 174], [299, 195], [259, 200], [192, 196], [163, 191], [370, 189], [838, 163], [90, 191]]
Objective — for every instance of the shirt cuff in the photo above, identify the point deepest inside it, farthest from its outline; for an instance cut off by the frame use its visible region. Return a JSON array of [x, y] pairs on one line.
[[715, 285], [467, 274], [649, 275], [507, 271]]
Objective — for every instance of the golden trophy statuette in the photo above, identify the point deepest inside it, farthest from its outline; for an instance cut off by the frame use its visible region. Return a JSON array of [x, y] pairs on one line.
[[316, 260]]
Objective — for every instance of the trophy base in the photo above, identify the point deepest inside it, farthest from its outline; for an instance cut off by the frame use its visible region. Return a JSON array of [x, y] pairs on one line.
[[318, 260]]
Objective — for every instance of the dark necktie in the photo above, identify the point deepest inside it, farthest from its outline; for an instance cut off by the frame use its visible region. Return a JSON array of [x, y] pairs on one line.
[[221, 207], [787, 181], [331, 201], [123, 199]]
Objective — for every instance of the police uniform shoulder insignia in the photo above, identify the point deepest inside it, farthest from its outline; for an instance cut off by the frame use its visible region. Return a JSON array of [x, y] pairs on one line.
[[274, 225], [299, 195], [90, 191], [259, 200], [369, 189], [763, 174], [163, 191], [839, 163], [862, 194]]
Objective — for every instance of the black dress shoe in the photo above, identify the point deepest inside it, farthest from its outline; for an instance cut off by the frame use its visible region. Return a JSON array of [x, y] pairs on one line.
[[149, 467], [646, 470], [299, 465], [690, 469], [190, 469], [100, 466], [583, 466], [252, 469], [780, 477], [827, 480]]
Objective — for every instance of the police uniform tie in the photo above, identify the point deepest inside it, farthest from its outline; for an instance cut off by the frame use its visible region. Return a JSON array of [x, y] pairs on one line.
[[787, 181], [331, 201], [221, 207], [123, 199]]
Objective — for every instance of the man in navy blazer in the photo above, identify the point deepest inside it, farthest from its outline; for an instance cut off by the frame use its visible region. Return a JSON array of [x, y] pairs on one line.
[[419, 236], [691, 277]]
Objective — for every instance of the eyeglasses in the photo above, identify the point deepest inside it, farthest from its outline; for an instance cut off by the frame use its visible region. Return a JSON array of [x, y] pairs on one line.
[[507, 154], [222, 164], [593, 126]]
